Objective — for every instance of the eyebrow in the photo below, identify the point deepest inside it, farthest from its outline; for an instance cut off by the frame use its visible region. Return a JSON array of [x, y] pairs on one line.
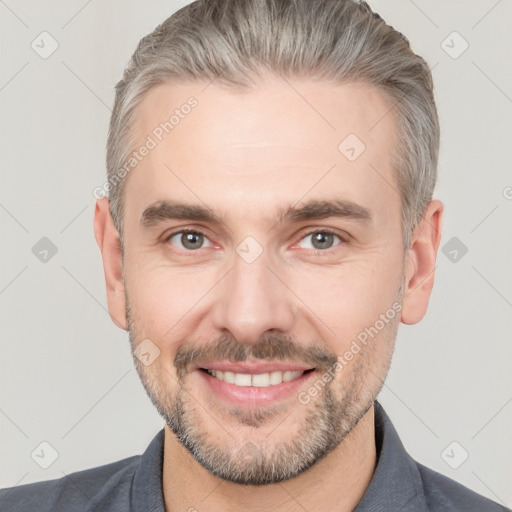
[[314, 209]]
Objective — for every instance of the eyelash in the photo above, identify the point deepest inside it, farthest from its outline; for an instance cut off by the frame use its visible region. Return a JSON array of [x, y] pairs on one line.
[[318, 252]]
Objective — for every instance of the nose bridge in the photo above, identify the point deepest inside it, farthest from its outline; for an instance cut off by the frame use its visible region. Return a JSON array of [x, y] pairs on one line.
[[252, 299]]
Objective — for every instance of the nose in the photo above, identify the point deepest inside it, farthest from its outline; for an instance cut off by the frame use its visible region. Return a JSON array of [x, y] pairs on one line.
[[253, 299]]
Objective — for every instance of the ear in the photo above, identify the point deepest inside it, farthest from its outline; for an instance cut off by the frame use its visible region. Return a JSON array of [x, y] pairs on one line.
[[420, 263], [109, 243]]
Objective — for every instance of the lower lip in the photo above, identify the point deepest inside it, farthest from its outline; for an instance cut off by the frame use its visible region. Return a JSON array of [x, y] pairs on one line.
[[250, 396]]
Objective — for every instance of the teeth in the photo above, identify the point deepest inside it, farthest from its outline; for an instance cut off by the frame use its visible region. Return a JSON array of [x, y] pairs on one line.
[[242, 379], [229, 377], [289, 376], [261, 380], [276, 378]]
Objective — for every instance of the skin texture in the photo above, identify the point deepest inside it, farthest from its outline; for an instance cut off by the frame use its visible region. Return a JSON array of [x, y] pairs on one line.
[[245, 156]]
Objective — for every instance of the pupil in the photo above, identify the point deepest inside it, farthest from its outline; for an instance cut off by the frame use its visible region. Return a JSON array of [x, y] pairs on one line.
[[320, 238], [191, 240]]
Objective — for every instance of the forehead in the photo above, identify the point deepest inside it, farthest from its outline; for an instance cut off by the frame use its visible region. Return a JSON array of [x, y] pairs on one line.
[[270, 145], [305, 109]]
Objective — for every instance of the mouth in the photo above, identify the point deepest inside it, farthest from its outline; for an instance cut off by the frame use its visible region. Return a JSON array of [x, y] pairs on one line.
[[247, 385], [258, 380]]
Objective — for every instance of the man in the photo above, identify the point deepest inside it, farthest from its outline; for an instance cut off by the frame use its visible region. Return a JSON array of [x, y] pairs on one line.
[[270, 222]]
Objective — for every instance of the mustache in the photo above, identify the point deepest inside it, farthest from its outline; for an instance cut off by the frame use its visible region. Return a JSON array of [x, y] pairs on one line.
[[271, 347]]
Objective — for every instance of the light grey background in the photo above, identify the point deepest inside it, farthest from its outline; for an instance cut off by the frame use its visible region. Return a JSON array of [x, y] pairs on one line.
[[66, 372]]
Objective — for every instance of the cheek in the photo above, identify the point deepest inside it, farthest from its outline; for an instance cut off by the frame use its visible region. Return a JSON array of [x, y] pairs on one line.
[[349, 298], [163, 299]]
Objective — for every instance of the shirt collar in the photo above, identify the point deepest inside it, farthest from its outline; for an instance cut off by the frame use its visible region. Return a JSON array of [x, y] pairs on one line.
[[395, 485], [147, 490], [396, 482]]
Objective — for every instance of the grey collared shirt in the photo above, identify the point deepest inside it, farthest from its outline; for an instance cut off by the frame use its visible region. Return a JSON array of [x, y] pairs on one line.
[[399, 484]]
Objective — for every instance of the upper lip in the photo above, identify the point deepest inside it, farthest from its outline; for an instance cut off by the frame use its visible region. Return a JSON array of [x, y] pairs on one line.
[[254, 368]]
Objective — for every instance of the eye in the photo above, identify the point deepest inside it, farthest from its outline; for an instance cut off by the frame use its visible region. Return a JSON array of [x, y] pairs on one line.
[[322, 241], [192, 240], [189, 239]]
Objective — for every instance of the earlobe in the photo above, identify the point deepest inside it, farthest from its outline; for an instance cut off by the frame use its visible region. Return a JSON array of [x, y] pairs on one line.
[[420, 264], [109, 244]]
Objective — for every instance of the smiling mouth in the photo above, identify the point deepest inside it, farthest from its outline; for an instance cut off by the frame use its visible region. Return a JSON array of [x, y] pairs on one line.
[[260, 380]]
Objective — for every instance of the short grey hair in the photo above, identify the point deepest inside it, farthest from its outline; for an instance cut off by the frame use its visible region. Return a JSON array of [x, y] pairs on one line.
[[235, 41]]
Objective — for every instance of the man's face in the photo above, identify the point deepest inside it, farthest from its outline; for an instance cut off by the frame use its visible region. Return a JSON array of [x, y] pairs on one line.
[[256, 293]]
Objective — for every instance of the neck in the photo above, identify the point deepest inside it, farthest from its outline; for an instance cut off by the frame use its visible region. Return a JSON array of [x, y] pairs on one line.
[[337, 482]]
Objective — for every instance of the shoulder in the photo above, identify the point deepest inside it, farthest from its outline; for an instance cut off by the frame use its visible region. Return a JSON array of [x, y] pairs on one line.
[[69, 493], [445, 494]]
